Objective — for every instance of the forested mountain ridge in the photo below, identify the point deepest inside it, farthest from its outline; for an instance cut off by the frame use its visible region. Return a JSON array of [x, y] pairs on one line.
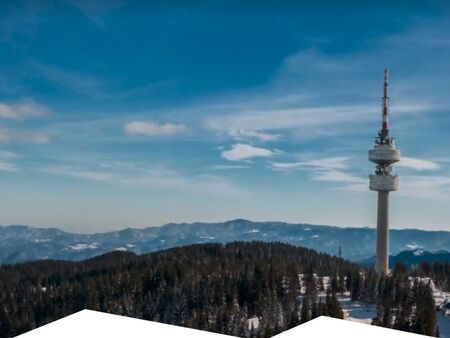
[[221, 288], [24, 243], [212, 287]]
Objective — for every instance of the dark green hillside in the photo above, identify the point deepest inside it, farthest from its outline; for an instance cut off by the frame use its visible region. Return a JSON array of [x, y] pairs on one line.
[[214, 287], [210, 286]]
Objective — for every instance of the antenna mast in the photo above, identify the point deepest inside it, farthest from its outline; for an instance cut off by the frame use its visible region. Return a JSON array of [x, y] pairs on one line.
[[383, 135], [385, 101]]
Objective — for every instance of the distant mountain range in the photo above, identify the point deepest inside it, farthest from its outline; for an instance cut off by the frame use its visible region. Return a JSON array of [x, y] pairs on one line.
[[417, 256], [20, 243], [413, 257]]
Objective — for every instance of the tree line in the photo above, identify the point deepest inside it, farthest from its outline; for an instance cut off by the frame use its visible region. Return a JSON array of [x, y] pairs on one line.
[[213, 287]]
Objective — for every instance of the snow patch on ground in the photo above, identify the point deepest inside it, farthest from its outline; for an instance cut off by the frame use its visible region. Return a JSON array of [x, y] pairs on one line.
[[418, 252], [253, 322], [84, 246], [412, 246], [121, 249], [253, 231], [43, 240], [360, 320]]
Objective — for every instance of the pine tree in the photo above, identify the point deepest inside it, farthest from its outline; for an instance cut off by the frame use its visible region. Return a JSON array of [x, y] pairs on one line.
[[425, 321], [304, 311], [333, 307], [357, 286]]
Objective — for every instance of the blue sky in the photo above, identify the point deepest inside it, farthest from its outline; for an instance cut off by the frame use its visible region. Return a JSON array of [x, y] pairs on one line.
[[116, 113]]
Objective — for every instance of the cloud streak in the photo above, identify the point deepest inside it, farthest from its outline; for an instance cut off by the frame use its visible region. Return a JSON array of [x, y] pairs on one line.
[[95, 10], [329, 163], [417, 164], [228, 167], [6, 163], [22, 110], [328, 169], [149, 128], [338, 176], [91, 175], [243, 134], [303, 118], [16, 136], [129, 174], [75, 81], [241, 152], [8, 166], [426, 187]]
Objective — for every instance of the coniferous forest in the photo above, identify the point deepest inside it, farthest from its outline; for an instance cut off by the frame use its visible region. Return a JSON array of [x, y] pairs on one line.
[[213, 287]]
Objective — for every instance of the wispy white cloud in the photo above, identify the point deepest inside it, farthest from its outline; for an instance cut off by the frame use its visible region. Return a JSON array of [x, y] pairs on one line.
[[323, 163], [287, 165], [417, 164], [70, 171], [241, 151], [347, 181], [338, 176], [91, 84], [328, 169], [14, 136], [6, 158], [129, 174], [432, 187], [95, 10], [303, 118], [21, 21], [340, 92], [4, 135], [243, 134], [336, 170], [228, 167], [8, 166], [150, 128], [34, 137], [359, 187], [317, 63], [22, 110], [436, 187], [4, 154], [78, 82]]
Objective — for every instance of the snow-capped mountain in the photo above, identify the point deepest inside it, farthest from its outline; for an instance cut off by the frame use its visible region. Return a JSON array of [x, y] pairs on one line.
[[24, 243]]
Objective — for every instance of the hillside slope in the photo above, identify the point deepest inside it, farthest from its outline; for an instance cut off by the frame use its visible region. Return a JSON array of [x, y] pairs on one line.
[[211, 287]]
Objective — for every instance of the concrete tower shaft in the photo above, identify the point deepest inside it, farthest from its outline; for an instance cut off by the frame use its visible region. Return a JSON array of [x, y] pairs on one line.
[[383, 154], [382, 257]]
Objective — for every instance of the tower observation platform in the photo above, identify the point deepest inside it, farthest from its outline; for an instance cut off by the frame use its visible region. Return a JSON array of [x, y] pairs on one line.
[[384, 155]]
